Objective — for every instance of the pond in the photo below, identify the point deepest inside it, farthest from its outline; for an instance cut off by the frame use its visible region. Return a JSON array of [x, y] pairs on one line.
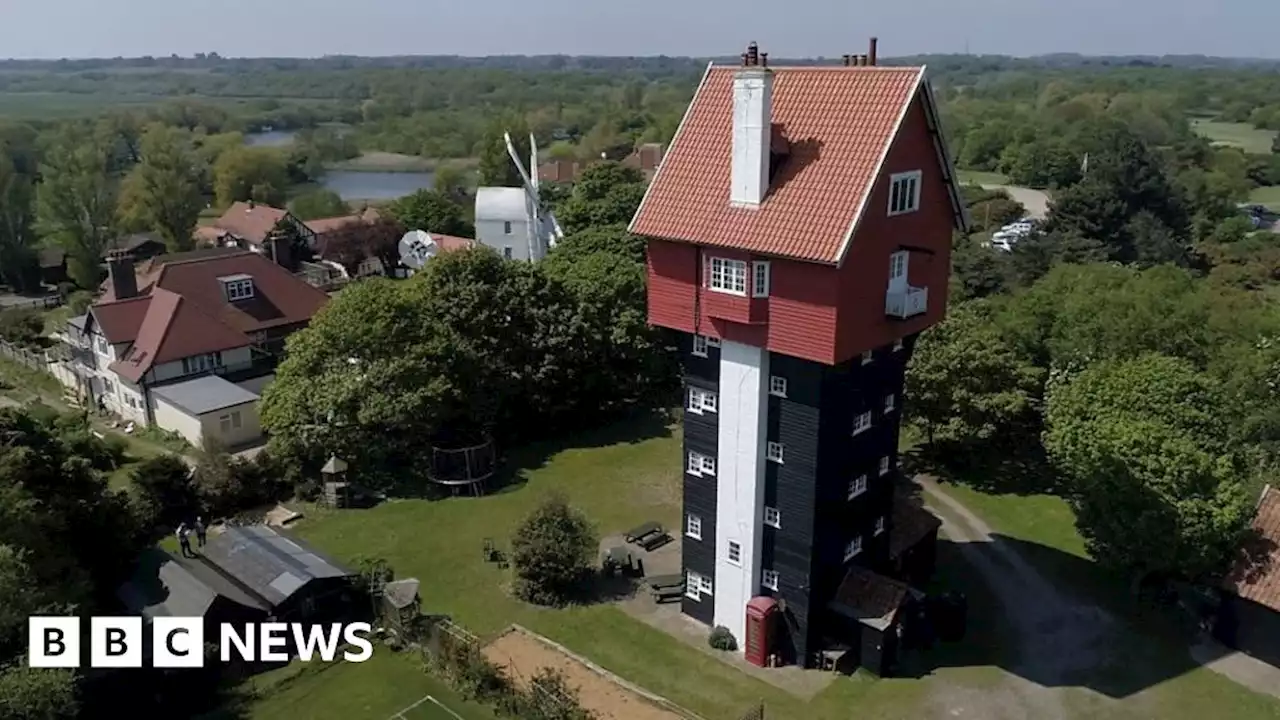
[[356, 185], [270, 138]]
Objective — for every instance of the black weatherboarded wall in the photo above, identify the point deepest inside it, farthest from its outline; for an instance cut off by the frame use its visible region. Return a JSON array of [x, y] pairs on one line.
[[701, 435]]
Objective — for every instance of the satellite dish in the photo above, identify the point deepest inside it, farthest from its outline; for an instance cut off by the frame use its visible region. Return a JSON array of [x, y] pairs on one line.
[[416, 248]]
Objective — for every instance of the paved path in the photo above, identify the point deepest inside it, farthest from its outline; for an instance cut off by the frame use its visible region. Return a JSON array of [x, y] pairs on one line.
[[1060, 636], [1249, 672], [1035, 201]]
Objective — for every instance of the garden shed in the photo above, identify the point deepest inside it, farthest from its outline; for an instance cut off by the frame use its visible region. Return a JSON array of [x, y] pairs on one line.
[[208, 407]]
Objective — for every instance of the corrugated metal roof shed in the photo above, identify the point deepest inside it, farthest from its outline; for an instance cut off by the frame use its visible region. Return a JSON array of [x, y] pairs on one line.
[[269, 563]]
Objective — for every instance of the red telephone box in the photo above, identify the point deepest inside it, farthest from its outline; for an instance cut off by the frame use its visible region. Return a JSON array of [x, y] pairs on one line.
[[761, 620]]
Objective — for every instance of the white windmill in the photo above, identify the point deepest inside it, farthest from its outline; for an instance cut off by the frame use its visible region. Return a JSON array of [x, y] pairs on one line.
[[505, 216], [416, 248]]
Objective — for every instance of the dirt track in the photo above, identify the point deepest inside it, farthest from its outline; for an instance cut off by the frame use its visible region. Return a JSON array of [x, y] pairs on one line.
[[609, 701]]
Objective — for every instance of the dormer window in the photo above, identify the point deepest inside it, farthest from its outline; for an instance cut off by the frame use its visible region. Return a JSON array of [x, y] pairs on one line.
[[237, 287]]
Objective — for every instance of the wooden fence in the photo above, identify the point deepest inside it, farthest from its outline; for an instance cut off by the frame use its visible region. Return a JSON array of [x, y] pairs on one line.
[[34, 360]]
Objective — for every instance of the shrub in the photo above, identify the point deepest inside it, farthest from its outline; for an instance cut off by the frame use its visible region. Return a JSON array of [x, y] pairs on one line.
[[22, 326], [552, 552], [722, 639]]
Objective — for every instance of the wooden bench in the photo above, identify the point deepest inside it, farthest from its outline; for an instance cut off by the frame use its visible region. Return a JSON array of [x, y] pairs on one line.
[[638, 535], [666, 594]]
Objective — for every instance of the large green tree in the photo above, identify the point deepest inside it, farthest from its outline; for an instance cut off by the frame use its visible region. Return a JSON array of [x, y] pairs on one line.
[[607, 193], [967, 383], [1153, 476], [250, 173], [495, 168], [433, 211], [163, 190], [18, 261], [318, 204], [76, 199]]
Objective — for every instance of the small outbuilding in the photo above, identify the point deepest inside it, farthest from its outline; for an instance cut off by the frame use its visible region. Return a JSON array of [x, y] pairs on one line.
[[1249, 616], [871, 609], [208, 407]]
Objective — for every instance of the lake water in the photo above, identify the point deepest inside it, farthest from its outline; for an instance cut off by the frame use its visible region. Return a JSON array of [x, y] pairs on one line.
[[353, 185], [271, 138]]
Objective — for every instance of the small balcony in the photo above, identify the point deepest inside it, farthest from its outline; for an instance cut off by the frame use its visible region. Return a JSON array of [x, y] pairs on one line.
[[903, 304]]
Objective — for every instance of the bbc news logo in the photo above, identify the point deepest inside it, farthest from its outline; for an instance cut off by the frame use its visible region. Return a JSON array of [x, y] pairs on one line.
[[179, 642]]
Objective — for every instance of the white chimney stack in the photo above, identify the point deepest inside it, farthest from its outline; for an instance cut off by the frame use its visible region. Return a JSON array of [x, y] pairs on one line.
[[752, 129]]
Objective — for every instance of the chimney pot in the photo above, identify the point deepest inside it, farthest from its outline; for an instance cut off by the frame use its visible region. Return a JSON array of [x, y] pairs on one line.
[[862, 61], [753, 54], [764, 59], [871, 51], [845, 60]]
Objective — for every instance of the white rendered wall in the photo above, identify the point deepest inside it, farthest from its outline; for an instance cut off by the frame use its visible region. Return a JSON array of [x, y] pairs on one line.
[[744, 408]]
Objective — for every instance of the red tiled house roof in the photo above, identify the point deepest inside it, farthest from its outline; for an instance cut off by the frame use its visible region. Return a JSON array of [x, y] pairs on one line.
[[1256, 574], [838, 124], [251, 222], [183, 310]]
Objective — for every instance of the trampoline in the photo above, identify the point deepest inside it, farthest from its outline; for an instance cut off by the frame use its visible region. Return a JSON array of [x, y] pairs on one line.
[[463, 469]]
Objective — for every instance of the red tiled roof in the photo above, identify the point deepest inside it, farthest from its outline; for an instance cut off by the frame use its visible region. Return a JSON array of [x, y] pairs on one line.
[[250, 222], [175, 328], [120, 320], [1256, 575], [452, 242], [279, 298], [839, 122]]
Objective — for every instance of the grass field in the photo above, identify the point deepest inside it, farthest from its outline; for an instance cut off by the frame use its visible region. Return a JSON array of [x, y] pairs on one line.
[[1241, 135], [378, 689], [624, 475], [978, 177], [1269, 196], [376, 161]]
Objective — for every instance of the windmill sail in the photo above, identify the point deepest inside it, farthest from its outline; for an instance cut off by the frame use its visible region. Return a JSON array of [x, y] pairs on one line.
[[542, 220]]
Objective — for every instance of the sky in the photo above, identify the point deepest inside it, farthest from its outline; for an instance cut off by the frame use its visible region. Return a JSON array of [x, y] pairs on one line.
[[783, 28]]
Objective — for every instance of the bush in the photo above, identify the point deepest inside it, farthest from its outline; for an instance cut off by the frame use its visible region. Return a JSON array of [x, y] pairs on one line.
[[722, 639], [552, 552], [22, 326]]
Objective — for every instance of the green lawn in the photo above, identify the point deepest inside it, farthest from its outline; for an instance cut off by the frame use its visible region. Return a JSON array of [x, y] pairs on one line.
[[1269, 196], [978, 177], [1241, 135], [377, 689]]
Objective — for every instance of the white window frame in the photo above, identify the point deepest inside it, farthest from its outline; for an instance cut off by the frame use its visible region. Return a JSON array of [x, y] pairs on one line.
[[904, 192], [772, 517], [700, 345], [712, 341], [727, 276], [506, 253], [239, 290], [890, 403], [728, 555], [777, 385], [704, 585], [693, 526], [898, 345], [853, 547], [761, 275], [200, 363], [862, 422], [884, 465], [773, 452], [102, 346], [506, 227], [857, 486], [692, 585], [868, 356], [699, 465], [701, 401], [769, 579], [879, 525]]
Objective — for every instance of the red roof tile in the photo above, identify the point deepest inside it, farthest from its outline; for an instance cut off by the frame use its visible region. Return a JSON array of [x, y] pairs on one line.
[[279, 298], [1256, 575], [452, 242], [839, 122], [250, 222], [175, 328], [120, 320]]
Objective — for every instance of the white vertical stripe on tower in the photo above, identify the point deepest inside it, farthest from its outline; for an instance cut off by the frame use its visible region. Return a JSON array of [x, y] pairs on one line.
[[744, 406]]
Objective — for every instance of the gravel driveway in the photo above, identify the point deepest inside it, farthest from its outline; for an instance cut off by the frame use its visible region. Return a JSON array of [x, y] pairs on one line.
[[1061, 638], [1035, 201]]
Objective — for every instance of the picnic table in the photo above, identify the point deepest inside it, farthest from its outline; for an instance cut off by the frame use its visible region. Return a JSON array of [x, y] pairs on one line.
[[637, 535], [660, 582]]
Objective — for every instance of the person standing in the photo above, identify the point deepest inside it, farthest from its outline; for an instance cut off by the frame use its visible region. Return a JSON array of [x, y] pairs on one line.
[[201, 531], [184, 540]]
